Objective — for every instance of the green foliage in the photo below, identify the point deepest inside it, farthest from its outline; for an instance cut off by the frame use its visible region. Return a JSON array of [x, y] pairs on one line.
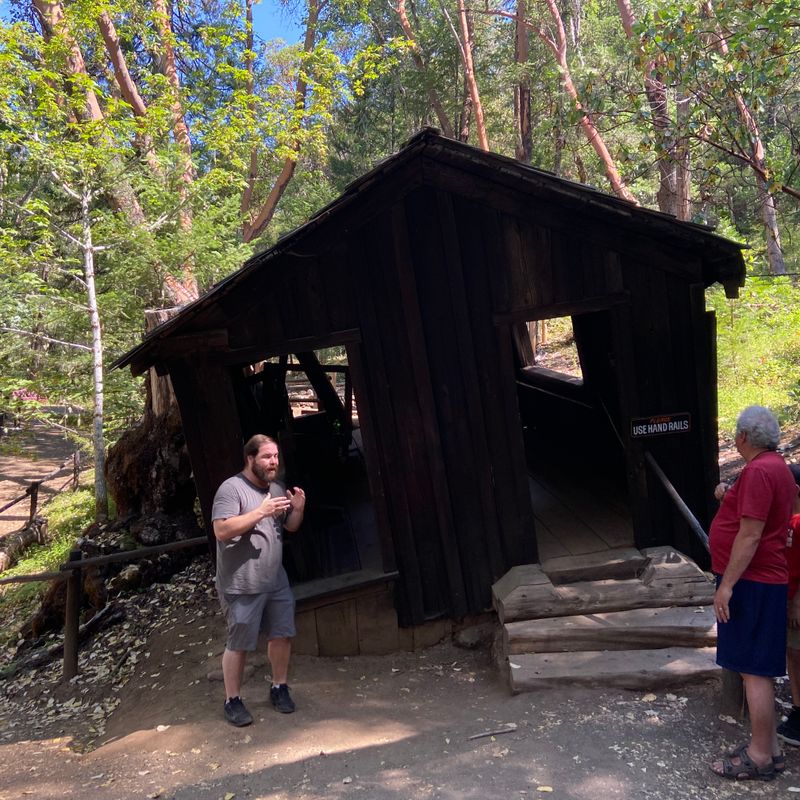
[[758, 349], [68, 515]]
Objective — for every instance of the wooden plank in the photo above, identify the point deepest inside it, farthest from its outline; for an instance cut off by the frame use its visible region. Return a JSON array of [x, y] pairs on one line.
[[625, 669], [379, 354], [378, 633], [549, 546], [522, 575], [574, 534], [305, 641], [337, 629], [205, 392], [590, 597], [562, 309], [641, 628], [588, 508], [474, 439], [370, 437], [282, 346], [481, 248], [420, 346], [623, 563]]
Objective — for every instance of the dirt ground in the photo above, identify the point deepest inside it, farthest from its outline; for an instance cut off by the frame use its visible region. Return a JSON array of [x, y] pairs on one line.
[[26, 456], [144, 720]]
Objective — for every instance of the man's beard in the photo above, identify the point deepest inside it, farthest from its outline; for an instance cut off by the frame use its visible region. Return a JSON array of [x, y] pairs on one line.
[[263, 473]]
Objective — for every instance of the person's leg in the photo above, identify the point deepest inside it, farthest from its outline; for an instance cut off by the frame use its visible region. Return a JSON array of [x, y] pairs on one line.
[[279, 652], [233, 662], [760, 694]]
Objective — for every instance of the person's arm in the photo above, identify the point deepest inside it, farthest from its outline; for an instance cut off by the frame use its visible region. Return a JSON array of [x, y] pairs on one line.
[[744, 547], [230, 528], [297, 505]]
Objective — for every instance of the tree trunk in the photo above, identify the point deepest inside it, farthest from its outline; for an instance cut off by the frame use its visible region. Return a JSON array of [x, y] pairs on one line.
[[180, 131], [16, 543], [51, 15], [98, 437], [672, 160], [466, 47], [559, 49], [252, 229], [758, 162], [522, 90], [420, 64]]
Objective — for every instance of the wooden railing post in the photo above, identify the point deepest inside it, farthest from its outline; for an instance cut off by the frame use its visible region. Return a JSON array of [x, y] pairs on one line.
[[34, 493], [72, 617], [732, 701], [76, 469]]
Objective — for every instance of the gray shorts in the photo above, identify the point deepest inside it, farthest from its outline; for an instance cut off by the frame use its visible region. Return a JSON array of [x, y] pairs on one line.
[[247, 615]]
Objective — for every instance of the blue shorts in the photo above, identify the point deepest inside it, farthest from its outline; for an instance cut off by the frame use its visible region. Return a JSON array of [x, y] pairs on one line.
[[247, 615], [753, 641]]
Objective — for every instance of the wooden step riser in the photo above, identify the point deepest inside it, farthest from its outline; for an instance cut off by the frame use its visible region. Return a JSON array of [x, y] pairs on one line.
[[669, 579], [624, 669], [649, 628], [599, 597]]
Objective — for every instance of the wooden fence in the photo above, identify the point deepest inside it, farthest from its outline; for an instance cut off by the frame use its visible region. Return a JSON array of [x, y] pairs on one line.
[[72, 572], [33, 487]]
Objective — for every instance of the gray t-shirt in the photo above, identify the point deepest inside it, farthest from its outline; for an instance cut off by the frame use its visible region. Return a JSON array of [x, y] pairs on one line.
[[250, 563]]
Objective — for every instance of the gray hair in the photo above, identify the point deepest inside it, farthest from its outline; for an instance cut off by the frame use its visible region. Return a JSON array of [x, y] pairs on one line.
[[761, 427]]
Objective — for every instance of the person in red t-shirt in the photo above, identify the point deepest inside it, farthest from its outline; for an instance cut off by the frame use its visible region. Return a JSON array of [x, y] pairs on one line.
[[789, 730], [748, 540]]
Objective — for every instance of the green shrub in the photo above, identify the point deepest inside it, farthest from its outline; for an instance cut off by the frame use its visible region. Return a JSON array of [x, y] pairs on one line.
[[758, 348], [67, 515]]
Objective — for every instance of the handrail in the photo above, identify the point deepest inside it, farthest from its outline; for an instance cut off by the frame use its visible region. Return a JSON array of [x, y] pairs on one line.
[[686, 512]]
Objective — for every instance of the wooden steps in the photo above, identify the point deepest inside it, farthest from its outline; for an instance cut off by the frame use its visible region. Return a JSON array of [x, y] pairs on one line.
[[624, 618], [623, 669]]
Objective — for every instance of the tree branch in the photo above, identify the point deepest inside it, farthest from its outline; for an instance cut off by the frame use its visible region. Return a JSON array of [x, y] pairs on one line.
[[44, 338]]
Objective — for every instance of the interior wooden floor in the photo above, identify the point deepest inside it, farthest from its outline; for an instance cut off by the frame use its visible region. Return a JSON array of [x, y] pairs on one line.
[[577, 514]]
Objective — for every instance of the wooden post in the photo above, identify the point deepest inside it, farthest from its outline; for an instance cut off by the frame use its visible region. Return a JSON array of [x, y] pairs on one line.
[[76, 469], [34, 492], [72, 618], [732, 702]]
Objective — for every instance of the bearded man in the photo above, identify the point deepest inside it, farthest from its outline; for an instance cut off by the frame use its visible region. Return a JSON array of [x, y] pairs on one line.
[[250, 512]]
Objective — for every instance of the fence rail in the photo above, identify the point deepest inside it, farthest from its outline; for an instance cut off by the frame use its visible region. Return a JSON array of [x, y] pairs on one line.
[[33, 487], [72, 572]]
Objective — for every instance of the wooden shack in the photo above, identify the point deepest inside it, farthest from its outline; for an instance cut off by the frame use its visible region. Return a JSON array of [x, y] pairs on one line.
[[447, 455]]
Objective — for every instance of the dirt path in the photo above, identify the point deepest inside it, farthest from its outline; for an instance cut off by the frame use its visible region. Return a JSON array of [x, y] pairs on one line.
[[26, 456]]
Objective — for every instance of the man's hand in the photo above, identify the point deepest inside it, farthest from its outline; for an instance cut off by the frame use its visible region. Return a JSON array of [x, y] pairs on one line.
[[273, 506], [296, 499], [722, 598], [720, 489]]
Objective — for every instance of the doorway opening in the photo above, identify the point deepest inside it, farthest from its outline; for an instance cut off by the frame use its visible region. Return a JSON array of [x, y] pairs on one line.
[[568, 402], [306, 401]]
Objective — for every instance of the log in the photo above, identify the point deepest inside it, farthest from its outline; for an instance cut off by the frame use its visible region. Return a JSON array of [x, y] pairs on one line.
[[105, 618], [645, 628], [13, 545], [625, 669]]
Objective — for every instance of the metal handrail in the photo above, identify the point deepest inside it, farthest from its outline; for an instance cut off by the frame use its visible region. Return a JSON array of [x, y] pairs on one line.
[[685, 511]]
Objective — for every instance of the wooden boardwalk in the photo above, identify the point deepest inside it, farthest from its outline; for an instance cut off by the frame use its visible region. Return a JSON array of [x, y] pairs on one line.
[[577, 514]]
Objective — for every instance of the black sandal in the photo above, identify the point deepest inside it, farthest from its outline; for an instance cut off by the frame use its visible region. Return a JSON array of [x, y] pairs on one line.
[[746, 769]]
